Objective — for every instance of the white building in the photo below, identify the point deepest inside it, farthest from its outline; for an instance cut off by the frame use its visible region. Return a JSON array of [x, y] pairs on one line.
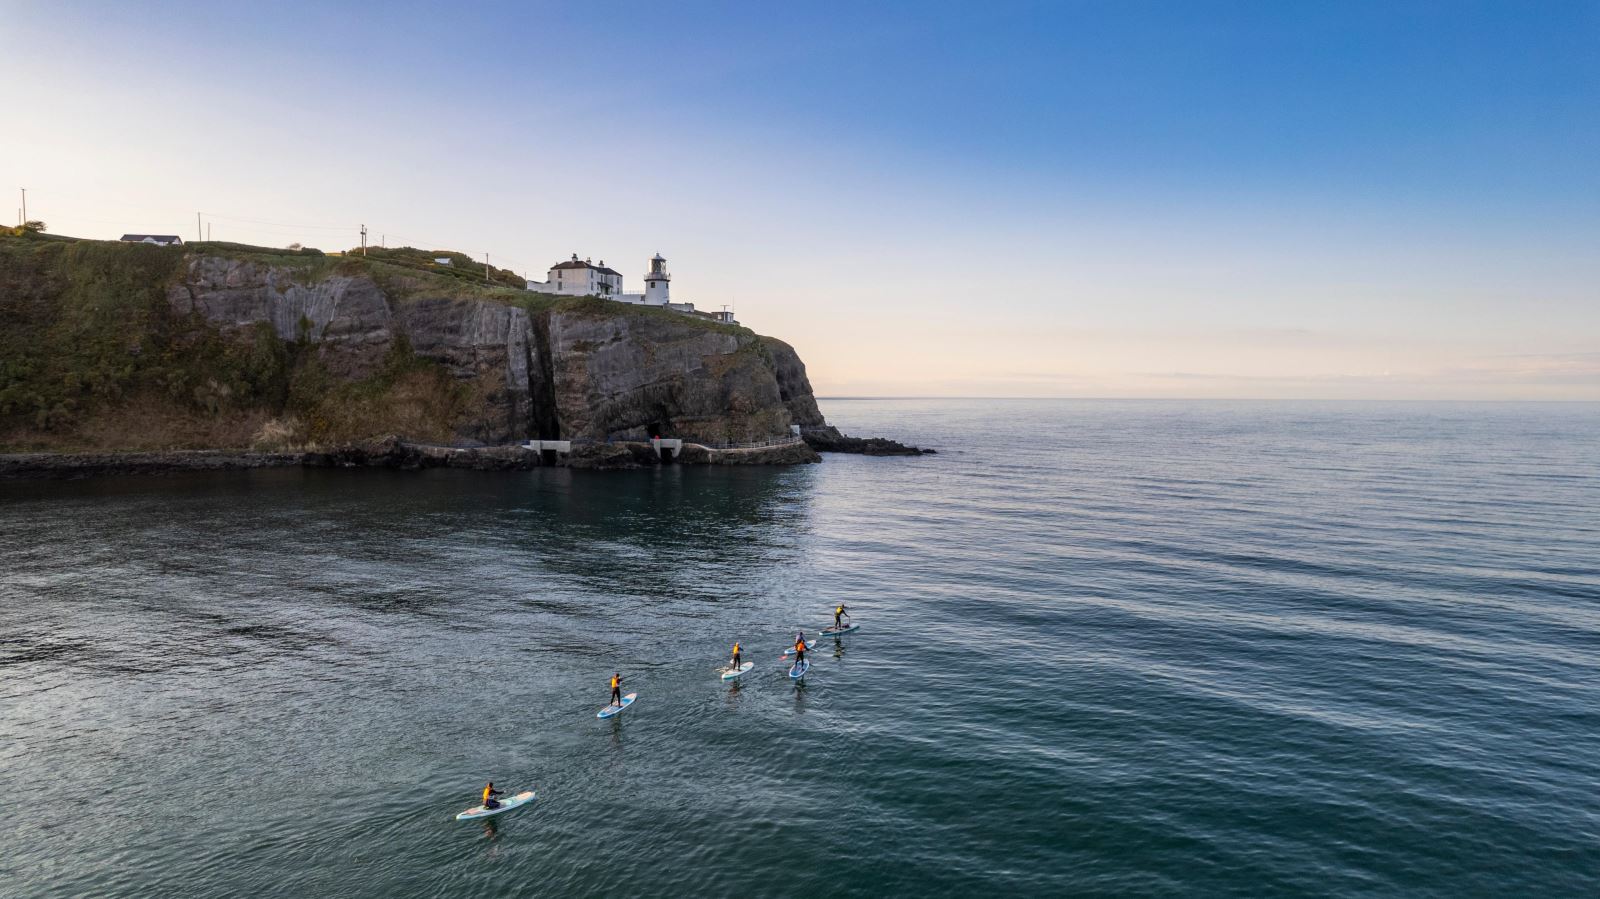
[[581, 278]]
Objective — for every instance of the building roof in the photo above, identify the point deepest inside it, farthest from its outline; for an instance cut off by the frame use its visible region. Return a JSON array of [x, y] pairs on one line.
[[577, 263], [163, 238]]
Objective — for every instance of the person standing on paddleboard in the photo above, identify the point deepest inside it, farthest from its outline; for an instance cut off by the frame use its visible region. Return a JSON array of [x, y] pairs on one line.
[[800, 650], [489, 794], [838, 615], [734, 665], [616, 688]]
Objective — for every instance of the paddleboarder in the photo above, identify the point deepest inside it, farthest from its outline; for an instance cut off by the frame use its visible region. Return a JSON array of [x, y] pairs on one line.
[[800, 650], [489, 794], [734, 665], [616, 689], [838, 615]]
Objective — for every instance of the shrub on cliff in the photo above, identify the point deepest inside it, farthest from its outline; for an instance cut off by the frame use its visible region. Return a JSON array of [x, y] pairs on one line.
[[461, 267]]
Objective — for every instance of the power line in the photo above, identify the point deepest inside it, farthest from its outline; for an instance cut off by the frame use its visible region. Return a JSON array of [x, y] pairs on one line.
[[232, 218]]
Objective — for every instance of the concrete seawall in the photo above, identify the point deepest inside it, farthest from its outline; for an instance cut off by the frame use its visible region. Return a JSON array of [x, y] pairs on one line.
[[393, 453]]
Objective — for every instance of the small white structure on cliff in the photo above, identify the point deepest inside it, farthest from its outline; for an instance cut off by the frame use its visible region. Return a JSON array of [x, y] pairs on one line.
[[582, 277]]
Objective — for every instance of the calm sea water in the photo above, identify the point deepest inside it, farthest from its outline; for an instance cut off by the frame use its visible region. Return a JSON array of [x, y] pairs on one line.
[[1106, 648]]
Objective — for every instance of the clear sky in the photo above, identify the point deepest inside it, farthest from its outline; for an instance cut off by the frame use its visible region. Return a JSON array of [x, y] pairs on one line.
[[1363, 200]]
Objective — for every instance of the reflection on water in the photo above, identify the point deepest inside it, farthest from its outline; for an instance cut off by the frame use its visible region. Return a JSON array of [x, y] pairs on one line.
[[1148, 648]]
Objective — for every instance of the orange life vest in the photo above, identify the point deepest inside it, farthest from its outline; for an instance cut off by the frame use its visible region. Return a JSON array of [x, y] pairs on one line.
[[615, 681]]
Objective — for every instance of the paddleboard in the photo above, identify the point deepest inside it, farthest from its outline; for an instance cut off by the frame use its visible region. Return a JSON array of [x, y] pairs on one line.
[[798, 671], [610, 710], [841, 631], [506, 805], [731, 673], [810, 645]]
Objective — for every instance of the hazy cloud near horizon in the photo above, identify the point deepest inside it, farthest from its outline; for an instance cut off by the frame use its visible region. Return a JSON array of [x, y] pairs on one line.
[[1390, 201]]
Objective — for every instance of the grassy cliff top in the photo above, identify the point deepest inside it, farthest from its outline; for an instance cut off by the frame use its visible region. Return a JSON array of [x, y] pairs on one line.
[[404, 273]]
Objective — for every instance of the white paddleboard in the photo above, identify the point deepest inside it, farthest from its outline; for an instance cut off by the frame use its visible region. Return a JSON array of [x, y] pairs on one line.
[[610, 710], [732, 673], [798, 671], [506, 805], [841, 631], [810, 645]]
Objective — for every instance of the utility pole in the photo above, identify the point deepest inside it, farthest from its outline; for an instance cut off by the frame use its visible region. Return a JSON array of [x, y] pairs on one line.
[[199, 232], [24, 207], [383, 241], [485, 267], [208, 232], [363, 240]]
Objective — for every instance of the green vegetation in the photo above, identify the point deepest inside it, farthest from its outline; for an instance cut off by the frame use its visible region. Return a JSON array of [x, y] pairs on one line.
[[34, 230], [408, 394], [93, 355], [597, 307], [460, 267], [226, 248]]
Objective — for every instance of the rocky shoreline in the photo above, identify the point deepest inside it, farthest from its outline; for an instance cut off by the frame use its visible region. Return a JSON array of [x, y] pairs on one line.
[[394, 453], [829, 440]]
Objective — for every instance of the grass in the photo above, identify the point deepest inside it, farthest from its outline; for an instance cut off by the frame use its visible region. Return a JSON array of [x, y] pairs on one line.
[[93, 355]]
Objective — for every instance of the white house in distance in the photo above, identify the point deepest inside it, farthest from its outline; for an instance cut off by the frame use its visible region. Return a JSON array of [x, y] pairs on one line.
[[160, 240], [583, 277]]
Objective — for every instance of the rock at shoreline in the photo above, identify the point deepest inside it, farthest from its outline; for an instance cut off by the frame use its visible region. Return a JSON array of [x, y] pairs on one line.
[[829, 440]]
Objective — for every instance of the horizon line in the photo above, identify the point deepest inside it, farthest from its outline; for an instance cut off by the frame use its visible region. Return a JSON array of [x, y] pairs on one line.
[[1203, 399]]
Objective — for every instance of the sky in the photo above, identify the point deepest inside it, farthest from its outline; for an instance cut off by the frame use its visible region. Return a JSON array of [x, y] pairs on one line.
[[1342, 200]]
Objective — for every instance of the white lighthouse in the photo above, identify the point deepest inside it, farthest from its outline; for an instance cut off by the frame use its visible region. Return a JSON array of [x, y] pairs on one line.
[[657, 283], [581, 277]]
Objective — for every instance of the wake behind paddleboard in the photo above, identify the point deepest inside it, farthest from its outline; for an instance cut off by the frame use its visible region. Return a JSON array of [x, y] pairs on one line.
[[506, 805], [798, 671], [810, 645], [732, 673], [610, 710], [841, 631]]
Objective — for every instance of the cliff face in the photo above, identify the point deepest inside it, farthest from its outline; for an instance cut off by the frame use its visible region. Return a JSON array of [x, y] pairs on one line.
[[313, 350]]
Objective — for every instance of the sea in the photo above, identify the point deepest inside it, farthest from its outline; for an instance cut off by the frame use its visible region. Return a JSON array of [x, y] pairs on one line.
[[1106, 648]]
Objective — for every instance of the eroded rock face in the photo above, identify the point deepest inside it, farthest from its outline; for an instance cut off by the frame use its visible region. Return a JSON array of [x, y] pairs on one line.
[[351, 314], [633, 378], [794, 388], [559, 374]]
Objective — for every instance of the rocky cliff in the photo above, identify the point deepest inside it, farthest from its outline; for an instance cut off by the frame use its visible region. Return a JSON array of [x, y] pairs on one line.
[[112, 346]]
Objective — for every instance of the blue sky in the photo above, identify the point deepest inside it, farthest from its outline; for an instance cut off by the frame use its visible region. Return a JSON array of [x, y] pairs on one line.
[[1384, 200]]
